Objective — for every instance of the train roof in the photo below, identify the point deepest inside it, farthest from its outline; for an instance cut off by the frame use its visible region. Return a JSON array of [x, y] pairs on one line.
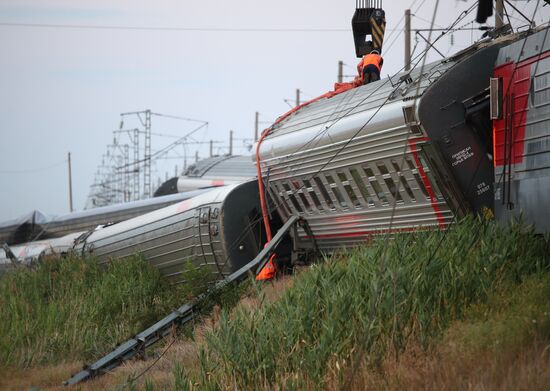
[[219, 167], [324, 112], [34, 217], [403, 86]]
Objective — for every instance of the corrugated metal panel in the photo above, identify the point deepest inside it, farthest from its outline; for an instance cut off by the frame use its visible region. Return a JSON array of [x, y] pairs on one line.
[[220, 167], [347, 190], [56, 226], [193, 230], [358, 100]]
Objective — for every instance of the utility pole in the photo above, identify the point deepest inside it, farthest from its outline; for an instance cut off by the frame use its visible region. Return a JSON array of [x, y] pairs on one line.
[[70, 184], [340, 71], [196, 156], [126, 189], [230, 143], [147, 165], [136, 166], [256, 126], [297, 97], [407, 40], [211, 147], [499, 13]]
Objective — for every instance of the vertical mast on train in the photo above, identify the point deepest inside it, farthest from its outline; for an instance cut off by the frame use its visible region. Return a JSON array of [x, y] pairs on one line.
[[369, 25]]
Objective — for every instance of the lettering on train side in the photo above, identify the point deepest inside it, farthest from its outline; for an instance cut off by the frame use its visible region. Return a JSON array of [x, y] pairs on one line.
[[482, 188], [462, 155]]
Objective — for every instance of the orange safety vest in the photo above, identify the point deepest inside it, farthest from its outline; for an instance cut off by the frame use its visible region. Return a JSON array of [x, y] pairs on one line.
[[372, 59]]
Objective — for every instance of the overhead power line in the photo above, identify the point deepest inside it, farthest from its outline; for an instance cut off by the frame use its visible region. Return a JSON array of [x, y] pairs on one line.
[[176, 28], [32, 170]]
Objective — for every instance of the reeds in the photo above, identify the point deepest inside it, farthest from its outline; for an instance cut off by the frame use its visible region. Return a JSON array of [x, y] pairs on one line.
[[74, 309], [370, 303]]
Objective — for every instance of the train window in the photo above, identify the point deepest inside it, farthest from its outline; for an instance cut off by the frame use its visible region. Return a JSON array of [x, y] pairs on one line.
[[431, 178], [343, 178], [541, 90], [407, 187], [292, 198], [369, 171], [403, 180], [281, 196], [434, 185], [393, 189], [395, 166], [276, 195], [312, 194], [361, 186], [324, 192], [378, 190], [304, 201], [421, 185], [410, 163], [382, 168], [423, 162], [349, 190], [316, 201], [336, 191], [375, 185]]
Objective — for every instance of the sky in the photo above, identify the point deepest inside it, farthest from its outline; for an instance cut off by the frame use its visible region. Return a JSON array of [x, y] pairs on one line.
[[62, 89]]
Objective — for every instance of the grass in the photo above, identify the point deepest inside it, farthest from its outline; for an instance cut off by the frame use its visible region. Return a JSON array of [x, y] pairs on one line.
[[74, 309], [367, 306], [502, 344], [429, 310]]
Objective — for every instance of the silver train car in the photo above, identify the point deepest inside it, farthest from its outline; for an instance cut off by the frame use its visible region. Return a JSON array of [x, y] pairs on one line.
[[416, 151], [37, 226], [27, 254], [218, 230], [211, 172]]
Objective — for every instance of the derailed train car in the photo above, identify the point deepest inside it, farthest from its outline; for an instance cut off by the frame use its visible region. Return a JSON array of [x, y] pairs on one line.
[[420, 150], [218, 230], [396, 155], [37, 226], [27, 254]]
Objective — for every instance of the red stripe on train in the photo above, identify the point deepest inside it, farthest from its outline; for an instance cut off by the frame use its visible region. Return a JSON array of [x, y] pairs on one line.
[[368, 233], [426, 182], [516, 83]]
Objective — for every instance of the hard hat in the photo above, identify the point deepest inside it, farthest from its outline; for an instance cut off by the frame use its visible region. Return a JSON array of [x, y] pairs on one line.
[[375, 52]]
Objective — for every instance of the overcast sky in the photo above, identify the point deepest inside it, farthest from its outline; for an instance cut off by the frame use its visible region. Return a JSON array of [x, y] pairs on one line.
[[63, 89]]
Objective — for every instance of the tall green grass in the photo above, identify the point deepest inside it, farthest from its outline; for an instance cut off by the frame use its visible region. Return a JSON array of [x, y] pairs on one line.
[[368, 304], [74, 309]]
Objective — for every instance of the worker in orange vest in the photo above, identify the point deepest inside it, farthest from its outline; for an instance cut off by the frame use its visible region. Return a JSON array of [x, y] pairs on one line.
[[370, 66]]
